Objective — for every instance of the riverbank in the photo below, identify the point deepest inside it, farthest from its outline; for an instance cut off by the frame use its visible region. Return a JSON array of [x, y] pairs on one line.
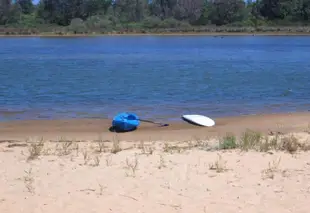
[[207, 31], [215, 34], [75, 173], [91, 129]]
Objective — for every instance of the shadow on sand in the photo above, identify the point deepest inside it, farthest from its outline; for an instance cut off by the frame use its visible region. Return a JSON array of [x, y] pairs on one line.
[[113, 129]]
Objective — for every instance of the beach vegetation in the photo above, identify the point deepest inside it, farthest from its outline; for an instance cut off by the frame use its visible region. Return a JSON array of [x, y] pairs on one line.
[[219, 165], [35, 149], [250, 140], [229, 141]]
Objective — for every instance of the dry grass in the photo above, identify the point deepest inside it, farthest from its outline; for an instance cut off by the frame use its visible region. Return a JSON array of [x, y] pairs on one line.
[[252, 140], [162, 162], [85, 156], [131, 166], [289, 144], [101, 188], [96, 160], [101, 144], [273, 168], [108, 160], [116, 147], [28, 181], [35, 149], [219, 165], [145, 150], [249, 140]]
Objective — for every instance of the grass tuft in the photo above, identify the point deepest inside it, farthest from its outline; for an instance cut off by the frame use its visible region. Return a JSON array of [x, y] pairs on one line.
[[289, 144], [228, 142], [116, 147], [132, 166], [28, 181], [250, 140], [35, 149], [219, 165], [273, 168]]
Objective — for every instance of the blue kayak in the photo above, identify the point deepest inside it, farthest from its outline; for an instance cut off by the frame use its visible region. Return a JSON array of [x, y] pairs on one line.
[[125, 122]]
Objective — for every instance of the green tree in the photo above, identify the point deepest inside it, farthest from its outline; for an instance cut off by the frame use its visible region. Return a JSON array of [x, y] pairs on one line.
[[226, 11], [26, 6], [5, 6]]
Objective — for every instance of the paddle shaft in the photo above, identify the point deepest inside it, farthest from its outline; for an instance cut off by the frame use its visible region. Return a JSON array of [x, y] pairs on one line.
[[148, 121]]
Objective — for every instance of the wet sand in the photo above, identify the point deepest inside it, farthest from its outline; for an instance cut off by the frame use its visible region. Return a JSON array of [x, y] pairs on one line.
[[93, 128]]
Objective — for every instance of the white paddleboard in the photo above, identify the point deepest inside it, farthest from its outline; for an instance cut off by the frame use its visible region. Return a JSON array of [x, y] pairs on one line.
[[199, 120]]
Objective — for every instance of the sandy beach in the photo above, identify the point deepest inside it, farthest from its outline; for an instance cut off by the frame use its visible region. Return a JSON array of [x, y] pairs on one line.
[[79, 166]]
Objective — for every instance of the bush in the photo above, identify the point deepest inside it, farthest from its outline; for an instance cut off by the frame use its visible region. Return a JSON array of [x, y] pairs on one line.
[[98, 23], [228, 142], [77, 26], [151, 22]]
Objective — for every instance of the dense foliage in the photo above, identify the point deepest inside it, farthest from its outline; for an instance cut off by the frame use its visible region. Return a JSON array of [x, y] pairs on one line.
[[81, 16]]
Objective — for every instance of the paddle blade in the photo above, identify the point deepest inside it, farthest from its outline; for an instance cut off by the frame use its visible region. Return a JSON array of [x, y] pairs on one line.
[[162, 125]]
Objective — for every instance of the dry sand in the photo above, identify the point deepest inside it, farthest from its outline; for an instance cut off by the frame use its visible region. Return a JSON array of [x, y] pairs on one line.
[[151, 174]]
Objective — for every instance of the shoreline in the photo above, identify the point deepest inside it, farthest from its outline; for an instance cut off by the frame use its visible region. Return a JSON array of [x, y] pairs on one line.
[[165, 34], [179, 130]]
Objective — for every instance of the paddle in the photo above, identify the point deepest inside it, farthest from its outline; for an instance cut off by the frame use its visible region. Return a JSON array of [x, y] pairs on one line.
[[153, 122]]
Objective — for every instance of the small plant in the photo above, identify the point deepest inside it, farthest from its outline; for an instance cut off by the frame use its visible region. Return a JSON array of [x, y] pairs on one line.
[[146, 150], [132, 166], [35, 150], [66, 148], [250, 140], [173, 148], [162, 163], [101, 145], [289, 144], [228, 142], [219, 165], [305, 147], [273, 168], [76, 148], [200, 143], [307, 130], [96, 161], [101, 188], [85, 157], [116, 146], [166, 147], [267, 144], [108, 160], [29, 180]]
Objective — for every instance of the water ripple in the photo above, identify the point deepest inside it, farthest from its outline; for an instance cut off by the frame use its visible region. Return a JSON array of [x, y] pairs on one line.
[[155, 76]]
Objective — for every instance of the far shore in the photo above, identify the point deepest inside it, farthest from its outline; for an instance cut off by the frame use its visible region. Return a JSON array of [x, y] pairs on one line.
[[281, 33]]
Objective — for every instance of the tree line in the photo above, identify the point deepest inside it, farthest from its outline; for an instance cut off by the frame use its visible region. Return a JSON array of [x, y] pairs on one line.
[[148, 14]]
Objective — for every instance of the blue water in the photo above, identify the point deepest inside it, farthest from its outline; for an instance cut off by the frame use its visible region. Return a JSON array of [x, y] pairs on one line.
[[153, 76]]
